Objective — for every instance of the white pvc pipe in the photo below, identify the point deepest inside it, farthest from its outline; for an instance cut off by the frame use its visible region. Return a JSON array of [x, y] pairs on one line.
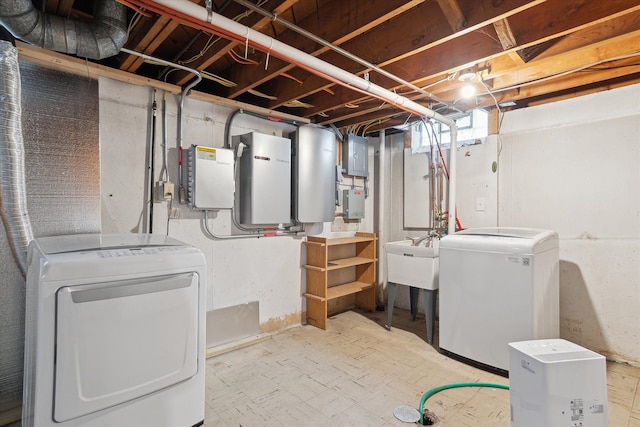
[[382, 234], [318, 66]]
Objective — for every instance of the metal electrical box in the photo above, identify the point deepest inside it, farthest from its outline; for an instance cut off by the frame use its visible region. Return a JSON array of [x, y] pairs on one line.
[[314, 174], [353, 204], [264, 178], [210, 178], [355, 155]]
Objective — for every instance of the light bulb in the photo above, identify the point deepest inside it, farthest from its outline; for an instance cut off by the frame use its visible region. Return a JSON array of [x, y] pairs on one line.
[[468, 91]]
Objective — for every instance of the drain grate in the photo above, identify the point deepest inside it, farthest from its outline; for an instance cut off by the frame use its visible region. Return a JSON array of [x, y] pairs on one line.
[[429, 418]]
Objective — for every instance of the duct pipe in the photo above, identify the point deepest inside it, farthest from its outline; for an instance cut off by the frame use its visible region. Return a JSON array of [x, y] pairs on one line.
[[13, 194], [274, 17], [102, 38], [196, 16]]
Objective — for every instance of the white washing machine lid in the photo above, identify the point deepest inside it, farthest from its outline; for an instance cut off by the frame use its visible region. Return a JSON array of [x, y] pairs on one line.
[[90, 242], [502, 239]]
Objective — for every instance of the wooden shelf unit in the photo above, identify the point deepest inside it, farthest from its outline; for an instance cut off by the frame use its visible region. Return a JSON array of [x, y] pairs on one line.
[[326, 257]]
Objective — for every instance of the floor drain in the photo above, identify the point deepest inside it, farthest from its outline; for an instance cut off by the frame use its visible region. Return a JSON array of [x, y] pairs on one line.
[[429, 418], [407, 414]]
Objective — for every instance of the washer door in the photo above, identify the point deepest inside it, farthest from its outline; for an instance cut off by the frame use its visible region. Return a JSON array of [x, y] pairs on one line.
[[118, 341]]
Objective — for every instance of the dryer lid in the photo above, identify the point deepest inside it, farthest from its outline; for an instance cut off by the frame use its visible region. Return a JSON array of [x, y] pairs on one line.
[[94, 242]]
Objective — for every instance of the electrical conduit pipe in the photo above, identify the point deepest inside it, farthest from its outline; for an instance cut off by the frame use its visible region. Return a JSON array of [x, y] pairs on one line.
[[199, 17], [183, 95]]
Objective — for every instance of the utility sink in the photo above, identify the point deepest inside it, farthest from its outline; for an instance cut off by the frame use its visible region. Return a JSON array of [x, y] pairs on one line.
[[410, 265]]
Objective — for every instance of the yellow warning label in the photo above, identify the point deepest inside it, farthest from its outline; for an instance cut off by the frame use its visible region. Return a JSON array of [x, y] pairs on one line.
[[206, 153]]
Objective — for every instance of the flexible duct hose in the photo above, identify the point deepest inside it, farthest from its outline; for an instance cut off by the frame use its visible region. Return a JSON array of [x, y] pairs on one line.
[[101, 38], [13, 195], [427, 394]]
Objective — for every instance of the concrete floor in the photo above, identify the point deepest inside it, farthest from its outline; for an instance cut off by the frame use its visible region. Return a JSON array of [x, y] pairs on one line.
[[356, 372]]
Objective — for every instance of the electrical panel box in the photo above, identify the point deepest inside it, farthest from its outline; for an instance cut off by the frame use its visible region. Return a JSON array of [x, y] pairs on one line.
[[355, 155], [353, 204], [210, 178], [557, 383], [314, 174], [264, 178]]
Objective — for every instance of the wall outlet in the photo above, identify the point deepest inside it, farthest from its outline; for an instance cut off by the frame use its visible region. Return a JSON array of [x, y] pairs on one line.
[[168, 192], [481, 205]]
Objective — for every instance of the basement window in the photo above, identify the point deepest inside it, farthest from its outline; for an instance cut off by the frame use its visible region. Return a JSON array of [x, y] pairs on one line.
[[473, 128]]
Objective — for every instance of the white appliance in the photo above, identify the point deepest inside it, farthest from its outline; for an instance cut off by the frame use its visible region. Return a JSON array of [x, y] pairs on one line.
[[557, 383], [115, 332], [497, 285]]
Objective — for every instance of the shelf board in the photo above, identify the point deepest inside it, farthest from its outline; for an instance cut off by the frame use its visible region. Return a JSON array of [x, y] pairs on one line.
[[337, 264], [347, 289], [348, 240], [341, 290]]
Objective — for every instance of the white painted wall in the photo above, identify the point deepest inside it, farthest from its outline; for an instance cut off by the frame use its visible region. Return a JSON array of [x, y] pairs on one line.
[[573, 167], [266, 270]]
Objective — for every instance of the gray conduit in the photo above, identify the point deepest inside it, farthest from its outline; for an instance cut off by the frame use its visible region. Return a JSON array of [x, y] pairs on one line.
[[13, 195], [102, 38]]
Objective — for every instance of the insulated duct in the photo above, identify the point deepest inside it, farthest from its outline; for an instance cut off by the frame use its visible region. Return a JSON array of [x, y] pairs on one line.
[[13, 195], [102, 38]]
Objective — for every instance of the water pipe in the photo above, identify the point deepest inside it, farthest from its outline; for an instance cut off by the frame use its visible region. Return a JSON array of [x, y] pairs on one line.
[[198, 17]]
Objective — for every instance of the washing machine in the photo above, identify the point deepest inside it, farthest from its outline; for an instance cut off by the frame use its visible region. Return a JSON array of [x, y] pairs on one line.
[[115, 332], [497, 285]]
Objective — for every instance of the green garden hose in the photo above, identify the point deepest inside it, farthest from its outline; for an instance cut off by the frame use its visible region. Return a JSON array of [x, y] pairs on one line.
[[427, 394]]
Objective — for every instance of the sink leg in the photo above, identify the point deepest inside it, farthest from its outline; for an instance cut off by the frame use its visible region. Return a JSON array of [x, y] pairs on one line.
[[430, 312], [413, 299], [391, 297]]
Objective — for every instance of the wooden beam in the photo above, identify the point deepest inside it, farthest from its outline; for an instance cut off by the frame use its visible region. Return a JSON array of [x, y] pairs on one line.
[[507, 39], [64, 8], [222, 51], [505, 35], [549, 68], [151, 38], [452, 56], [132, 62], [614, 47], [345, 21], [423, 30], [80, 67], [453, 13]]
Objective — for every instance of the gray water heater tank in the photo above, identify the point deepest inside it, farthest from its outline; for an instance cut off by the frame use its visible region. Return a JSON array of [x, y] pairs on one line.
[[314, 174]]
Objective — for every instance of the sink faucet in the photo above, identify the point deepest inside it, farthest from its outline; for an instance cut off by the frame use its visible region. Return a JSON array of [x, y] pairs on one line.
[[415, 241]]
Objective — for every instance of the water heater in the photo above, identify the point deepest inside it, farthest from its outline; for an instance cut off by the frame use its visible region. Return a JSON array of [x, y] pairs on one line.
[[314, 174], [264, 178]]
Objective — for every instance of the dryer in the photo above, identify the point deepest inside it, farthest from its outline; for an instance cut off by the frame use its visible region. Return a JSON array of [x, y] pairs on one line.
[[115, 332]]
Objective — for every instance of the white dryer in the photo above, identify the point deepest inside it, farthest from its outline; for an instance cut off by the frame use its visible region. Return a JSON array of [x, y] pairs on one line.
[[115, 332]]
